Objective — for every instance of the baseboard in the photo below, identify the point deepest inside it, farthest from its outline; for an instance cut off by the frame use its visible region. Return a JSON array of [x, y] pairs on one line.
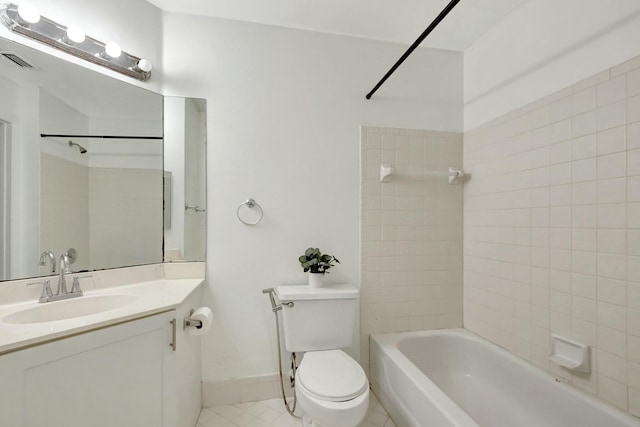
[[249, 389]]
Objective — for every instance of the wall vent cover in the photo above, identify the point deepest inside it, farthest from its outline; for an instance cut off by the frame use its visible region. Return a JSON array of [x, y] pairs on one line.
[[17, 59]]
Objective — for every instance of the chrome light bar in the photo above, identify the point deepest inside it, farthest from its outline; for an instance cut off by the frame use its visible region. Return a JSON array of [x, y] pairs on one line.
[[26, 20]]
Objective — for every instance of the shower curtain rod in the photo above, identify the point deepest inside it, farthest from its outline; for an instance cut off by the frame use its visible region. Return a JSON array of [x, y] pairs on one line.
[[415, 44], [47, 135]]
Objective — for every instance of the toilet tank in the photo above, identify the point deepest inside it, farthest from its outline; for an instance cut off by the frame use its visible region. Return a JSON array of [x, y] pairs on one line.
[[320, 318]]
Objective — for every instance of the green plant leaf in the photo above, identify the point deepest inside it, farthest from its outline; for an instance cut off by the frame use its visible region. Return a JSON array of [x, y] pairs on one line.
[[314, 261]]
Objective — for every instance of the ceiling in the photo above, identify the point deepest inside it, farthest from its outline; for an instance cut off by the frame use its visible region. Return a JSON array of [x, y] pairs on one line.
[[400, 21]]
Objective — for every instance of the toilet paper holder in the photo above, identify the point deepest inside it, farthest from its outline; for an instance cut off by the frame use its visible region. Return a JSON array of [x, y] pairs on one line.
[[188, 322]]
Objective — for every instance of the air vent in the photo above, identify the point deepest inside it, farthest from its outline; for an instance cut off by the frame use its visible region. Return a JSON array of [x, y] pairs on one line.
[[17, 59]]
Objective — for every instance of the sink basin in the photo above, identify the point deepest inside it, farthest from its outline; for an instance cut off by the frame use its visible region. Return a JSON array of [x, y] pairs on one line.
[[69, 309]]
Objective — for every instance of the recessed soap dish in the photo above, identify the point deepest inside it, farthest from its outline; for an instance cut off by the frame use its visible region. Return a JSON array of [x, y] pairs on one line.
[[570, 354]]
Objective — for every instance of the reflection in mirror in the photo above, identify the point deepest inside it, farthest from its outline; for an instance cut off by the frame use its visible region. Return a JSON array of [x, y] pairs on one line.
[[185, 179], [100, 196]]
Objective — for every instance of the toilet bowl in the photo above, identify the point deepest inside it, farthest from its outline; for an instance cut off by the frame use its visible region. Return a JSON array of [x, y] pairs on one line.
[[332, 389]]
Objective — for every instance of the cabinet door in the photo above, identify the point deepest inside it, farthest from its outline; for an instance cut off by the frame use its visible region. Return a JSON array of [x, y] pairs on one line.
[[120, 376]]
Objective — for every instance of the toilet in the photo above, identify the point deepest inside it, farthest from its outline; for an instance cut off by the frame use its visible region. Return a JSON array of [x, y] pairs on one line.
[[331, 387]]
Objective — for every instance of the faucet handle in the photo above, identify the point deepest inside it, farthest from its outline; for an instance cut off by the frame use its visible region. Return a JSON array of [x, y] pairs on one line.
[[46, 290], [75, 289]]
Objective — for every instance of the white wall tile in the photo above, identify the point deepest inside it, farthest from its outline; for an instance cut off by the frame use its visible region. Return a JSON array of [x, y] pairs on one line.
[[612, 366], [633, 109], [561, 152], [612, 241], [612, 115], [584, 239], [583, 101], [585, 123], [612, 266], [612, 291], [412, 233], [584, 193], [612, 215], [612, 166], [633, 214], [633, 135], [612, 140], [584, 146], [576, 230], [633, 162], [584, 309], [584, 216], [584, 285], [612, 90], [633, 83], [583, 170], [633, 242], [612, 191], [613, 316], [612, 391], [633, 189]]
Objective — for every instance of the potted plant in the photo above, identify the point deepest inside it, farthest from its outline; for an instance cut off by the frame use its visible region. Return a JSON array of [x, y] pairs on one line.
[[317, 264]]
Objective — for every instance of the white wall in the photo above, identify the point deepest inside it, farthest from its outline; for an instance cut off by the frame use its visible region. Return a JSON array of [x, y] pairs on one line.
[[284, 111], [542, 47]]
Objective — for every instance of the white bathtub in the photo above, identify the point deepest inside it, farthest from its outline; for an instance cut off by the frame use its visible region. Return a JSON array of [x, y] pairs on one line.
[[453, 378]]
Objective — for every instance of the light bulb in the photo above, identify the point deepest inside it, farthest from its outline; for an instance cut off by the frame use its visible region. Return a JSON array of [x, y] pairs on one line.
[[28, 13], [112, 50], [144, 65], [75, 34]]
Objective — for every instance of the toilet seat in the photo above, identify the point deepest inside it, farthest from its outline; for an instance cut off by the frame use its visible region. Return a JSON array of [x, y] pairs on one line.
[[331, 375]]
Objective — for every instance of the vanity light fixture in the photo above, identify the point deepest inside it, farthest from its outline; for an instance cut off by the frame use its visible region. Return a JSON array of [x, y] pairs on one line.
[[112, 50], [26, 21], [74, 35], [28, 14]]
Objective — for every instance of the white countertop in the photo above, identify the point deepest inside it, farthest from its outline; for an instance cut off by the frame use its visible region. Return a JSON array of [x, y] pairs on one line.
[[151, 297]]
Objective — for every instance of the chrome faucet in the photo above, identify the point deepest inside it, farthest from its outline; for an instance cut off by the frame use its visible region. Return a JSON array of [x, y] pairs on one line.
[[64, 269], [62, 293], [48, 255]]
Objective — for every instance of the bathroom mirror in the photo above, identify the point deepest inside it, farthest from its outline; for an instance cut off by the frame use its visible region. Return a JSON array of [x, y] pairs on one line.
[[94, 181]]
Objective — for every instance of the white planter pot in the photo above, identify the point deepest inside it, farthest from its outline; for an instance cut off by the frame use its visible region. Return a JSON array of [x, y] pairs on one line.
[[316, 280]]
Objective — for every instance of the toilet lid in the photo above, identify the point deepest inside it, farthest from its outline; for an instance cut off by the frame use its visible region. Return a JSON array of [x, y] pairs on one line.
[[331, 375]]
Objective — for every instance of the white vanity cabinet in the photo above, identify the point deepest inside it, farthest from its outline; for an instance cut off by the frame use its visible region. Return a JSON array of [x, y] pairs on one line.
[[119, 376]]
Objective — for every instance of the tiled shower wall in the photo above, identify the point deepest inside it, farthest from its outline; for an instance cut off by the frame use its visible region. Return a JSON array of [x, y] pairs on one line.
[[411, 233], [552, 230]]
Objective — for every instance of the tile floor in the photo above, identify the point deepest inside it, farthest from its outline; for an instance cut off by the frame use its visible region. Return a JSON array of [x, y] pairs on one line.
[[272, 413]]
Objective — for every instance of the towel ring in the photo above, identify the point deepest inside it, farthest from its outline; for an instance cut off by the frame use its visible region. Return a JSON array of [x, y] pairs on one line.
[[250, 203]]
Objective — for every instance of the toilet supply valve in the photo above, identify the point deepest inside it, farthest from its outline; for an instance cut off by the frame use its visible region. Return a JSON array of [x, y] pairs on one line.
[[292, 378], [292, 371]]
